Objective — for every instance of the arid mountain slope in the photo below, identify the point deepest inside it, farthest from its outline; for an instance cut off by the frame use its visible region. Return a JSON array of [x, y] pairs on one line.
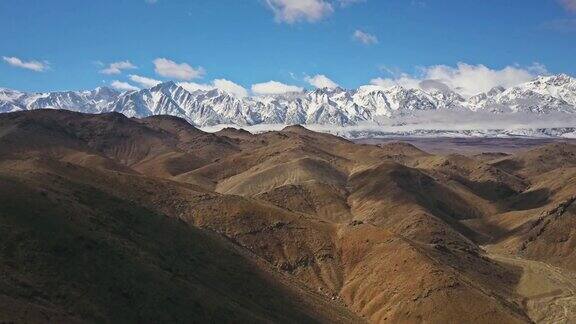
[[107, 218], [87, 245]]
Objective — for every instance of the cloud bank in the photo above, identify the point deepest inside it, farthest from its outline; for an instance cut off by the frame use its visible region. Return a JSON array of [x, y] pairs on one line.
[[465, 79]]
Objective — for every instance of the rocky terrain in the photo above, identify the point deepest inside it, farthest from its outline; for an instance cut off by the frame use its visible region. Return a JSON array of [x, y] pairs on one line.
[[105, 218]]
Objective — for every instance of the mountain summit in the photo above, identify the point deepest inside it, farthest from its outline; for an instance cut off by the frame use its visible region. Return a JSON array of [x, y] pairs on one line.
[[337, 106]]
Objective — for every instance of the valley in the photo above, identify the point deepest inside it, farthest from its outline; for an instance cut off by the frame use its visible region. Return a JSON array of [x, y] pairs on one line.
[[470, 145], [549, 292]]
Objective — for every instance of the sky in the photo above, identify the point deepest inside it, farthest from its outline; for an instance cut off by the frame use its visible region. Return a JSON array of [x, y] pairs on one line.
[[253, 47]]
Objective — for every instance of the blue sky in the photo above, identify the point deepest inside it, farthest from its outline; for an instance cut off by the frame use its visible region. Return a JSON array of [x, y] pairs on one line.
[[70, 44]]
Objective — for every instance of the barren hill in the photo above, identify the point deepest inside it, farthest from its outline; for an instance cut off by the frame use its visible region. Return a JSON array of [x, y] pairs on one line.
[[105, 218]]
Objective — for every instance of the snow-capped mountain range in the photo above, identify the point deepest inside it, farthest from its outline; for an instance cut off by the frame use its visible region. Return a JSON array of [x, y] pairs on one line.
[[337, 106]]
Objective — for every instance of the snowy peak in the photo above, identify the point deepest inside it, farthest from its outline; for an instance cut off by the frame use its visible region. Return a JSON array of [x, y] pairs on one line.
[[331, 106], [557, 80], [543, 95], [10, 95], [94, 101], [167, 88], [560, 86], [495, 91]]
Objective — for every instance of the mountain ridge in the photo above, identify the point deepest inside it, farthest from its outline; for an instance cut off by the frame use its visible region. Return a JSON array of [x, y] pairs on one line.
[[327, 106]]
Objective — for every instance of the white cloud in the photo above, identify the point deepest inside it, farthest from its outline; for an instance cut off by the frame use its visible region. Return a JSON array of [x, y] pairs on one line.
[[117, 67], [569, 5], [273, 88], [29, 65], [123, 86], [182, 71], [291, 11], [365, 38], [466, 79], [144, 81], [321, 81], [222, 84], [230, 87]]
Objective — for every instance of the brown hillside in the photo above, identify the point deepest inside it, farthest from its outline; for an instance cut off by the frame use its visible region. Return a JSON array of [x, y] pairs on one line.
[[105, 218]]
